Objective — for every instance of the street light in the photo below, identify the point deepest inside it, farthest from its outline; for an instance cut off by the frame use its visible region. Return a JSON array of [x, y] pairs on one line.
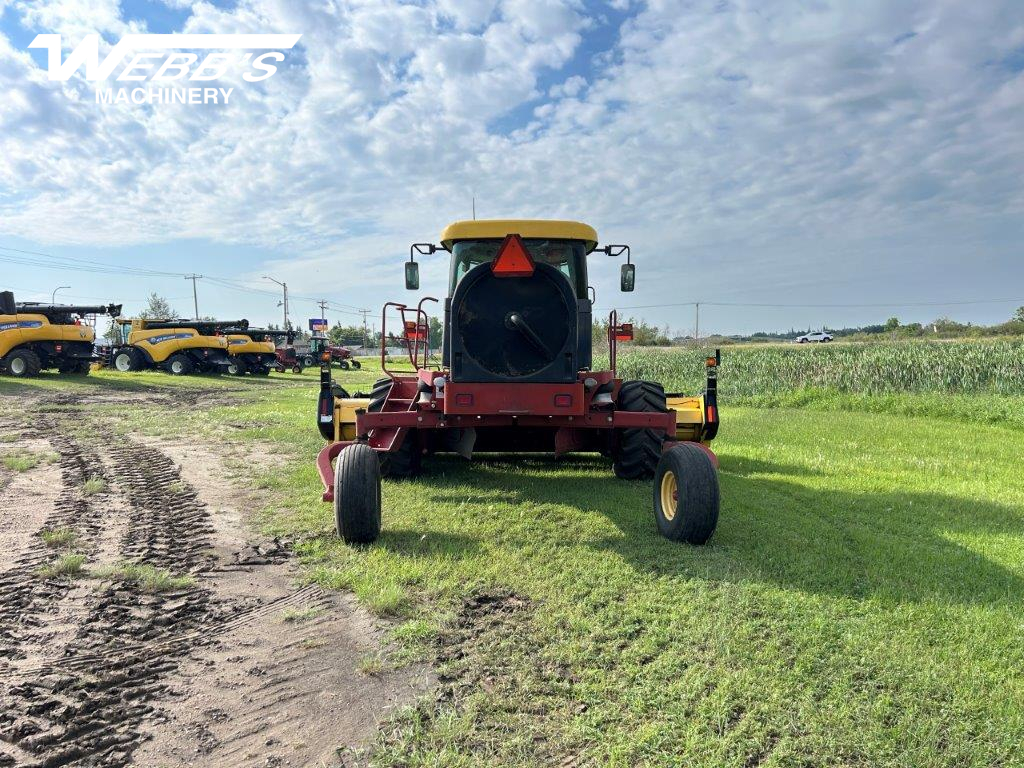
[[285, 303], [53, 296]]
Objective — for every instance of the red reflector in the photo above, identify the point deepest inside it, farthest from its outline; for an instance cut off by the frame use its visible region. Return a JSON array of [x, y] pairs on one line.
[[464, 399], [624, 332], [513, 260], [712, 414], [58, 347], [563, 401]]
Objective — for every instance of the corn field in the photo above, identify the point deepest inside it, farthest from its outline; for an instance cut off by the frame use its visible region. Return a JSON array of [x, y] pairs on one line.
[[993, 367]]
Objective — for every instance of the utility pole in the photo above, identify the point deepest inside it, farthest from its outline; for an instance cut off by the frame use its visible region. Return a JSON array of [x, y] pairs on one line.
[[195, 296], [696, 330], [285, 303], [323, 308], [366, 337]]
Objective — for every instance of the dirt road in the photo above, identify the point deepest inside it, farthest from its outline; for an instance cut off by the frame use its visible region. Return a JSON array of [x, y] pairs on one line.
[[202, 650]]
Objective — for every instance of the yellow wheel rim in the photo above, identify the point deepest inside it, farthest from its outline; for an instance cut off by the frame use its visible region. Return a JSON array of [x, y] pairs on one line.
[[669, 495]]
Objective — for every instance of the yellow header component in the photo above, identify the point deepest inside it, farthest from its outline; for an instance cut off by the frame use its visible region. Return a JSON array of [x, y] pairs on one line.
[[528, 228]]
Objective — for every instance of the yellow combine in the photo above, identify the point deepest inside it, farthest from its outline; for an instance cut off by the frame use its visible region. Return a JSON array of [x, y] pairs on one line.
[[179, 347], [36, 337]]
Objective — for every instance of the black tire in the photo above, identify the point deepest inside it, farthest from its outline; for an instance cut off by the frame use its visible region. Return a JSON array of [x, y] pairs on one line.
[[802, 341], [308, 361], [686, 497], [356, 365], [126, 360], [237, 367], [343, 364], [261, 370], [637, 451], [22, 363], [179, 365], [296, 368], [357, 494], [407, 460]]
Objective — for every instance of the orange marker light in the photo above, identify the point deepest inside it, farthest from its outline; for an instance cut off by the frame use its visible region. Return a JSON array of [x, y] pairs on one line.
[[513, 260], [712, 362], [712, 414]]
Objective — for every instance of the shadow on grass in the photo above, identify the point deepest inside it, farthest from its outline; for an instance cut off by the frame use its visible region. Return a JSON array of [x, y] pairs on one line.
[[773, 528]]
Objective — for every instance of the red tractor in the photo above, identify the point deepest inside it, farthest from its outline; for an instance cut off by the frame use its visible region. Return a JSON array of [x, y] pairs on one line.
[[340, 355], [516, 375]]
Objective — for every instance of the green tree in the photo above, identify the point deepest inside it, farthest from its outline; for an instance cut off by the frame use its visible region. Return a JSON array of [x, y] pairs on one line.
[[436, 333], [1019, 315], [158, 308], [892, 324]]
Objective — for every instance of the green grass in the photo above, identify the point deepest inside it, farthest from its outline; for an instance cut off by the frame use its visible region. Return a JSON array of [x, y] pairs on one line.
[[59, 537], [69, 565], [21, 461], [93, 485], [147, 577], [861, 603]]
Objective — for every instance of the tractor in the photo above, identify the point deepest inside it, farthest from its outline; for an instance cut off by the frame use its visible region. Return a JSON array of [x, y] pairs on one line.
[[516, 375], [253, 351], [35, 337], [340, 355], [179, 347]]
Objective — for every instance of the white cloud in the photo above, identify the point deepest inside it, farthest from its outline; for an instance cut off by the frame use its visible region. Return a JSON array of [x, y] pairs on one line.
[[712, 128]]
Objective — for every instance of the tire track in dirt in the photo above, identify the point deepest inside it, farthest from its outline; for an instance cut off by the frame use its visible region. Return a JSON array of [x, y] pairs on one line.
[[72, 712], [238, 668]]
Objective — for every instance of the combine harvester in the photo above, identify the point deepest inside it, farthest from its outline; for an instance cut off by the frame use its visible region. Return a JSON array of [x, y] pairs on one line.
[[179, 347], [516, 376], [36, 337], [254, 351]]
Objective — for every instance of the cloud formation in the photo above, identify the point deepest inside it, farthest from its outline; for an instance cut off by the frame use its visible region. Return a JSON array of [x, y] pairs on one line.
[[755, 139]]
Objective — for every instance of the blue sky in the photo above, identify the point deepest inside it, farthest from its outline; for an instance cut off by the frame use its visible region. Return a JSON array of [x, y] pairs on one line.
[[807, 156]]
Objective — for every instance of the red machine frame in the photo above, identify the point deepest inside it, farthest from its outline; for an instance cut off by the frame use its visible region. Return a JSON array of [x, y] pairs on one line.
[[427, 403]]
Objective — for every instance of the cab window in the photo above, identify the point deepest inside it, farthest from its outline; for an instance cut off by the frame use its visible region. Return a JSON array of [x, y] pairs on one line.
[[567, 256]]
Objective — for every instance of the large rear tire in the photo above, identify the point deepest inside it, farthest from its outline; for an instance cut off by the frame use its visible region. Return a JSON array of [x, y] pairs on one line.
[[127, 360], [21, 364], [343, 364], [356, 364], [237, 367], [407, 460], [638, 451], [686, 497], [357, 494], [179, 365]]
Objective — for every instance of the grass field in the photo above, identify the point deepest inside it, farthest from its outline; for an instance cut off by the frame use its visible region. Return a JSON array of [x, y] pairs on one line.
[[862, 602]]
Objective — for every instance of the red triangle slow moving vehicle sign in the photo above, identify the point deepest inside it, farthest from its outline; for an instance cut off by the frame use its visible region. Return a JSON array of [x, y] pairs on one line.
[[513, 260]]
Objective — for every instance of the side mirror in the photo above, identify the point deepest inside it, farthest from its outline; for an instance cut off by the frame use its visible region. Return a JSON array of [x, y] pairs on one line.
[[412, 276], [628, 279], [7, 303]]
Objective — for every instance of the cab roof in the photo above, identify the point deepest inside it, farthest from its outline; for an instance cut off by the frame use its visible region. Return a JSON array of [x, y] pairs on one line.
[[484, 229]]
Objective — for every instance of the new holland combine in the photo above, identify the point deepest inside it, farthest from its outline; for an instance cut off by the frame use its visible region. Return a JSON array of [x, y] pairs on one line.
[[253, 352], [36, 337], [179, 347], [516, 376]]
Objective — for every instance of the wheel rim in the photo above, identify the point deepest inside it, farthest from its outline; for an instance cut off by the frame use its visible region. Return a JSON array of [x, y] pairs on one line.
[[669, 495], [122, 363], [176, 366], [18, 366]]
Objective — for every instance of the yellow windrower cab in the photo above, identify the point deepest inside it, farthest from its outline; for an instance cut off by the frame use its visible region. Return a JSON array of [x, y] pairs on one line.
[[179, 347], [35, 337], [516, 375], [254, 351]]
